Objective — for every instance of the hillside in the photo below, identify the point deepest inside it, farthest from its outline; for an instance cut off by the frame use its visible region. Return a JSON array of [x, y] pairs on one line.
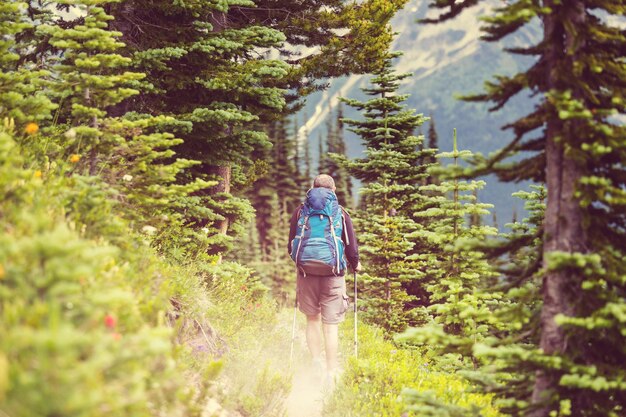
[[447, 61]]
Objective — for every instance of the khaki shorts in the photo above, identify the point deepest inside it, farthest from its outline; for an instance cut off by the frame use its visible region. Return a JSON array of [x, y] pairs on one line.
[[326, 295]]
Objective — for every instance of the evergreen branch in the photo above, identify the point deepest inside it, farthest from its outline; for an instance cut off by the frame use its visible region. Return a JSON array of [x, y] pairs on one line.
[[454, 9]]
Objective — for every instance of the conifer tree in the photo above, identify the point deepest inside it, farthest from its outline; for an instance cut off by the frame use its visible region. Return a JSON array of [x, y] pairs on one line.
[[510, 350], [433, 143], [307, 175], [284, 172], [91, 79], [201, 71], [454, 274], [132, 155], [573, 141], [336, 145], [325, 38], [321, 161], [390, 174], [201, 63], [21, 97]]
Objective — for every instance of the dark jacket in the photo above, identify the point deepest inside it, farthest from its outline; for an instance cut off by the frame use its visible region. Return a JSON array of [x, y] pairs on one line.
[[348, 236]]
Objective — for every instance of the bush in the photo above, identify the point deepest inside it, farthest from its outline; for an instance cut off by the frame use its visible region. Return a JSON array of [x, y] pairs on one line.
[[82, 320]]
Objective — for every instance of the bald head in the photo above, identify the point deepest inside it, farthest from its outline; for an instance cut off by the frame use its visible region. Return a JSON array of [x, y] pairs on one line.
[[325, 181]]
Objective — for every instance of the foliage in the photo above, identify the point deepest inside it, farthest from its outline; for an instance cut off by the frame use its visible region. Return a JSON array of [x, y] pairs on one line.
[[570, 141], [20, 86], [81, 312], [388, 380]]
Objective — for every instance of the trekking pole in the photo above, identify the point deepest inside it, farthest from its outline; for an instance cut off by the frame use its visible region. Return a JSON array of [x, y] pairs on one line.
[[293, 328], [356, 339]]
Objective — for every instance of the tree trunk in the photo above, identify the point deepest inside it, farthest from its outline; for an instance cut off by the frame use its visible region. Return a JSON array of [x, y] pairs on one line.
[[224, 173], [564, 231]]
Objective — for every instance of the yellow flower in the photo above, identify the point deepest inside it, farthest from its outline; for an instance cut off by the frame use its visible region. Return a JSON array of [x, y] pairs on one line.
[[37, 174], [31, 128], [74, 158]]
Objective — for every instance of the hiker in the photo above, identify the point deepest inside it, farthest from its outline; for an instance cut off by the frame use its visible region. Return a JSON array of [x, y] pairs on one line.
[[320, 253]]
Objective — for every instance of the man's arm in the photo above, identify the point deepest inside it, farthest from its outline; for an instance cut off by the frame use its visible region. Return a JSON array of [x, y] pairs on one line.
[[349, 238], [293, 225]]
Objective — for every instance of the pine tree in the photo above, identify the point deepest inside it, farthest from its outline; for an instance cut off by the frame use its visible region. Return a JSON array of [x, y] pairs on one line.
[[433, 144], [284, 173], [21, 97], [453, 273], [91, 79], [131, 155], [577, 76], [390, 174], [336, 145], [201, 71], [321, 160], [202, 68], [307, 176], [511, 350]]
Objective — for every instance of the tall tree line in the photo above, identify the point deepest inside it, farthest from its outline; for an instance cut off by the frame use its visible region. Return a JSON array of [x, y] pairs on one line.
[[573, 141]]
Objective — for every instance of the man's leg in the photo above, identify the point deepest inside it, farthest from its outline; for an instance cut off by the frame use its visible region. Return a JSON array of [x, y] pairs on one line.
[[331, 339], [314, 336]]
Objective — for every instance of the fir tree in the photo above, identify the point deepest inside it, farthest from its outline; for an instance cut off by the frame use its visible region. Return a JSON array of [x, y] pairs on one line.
[[511, 349], [91, 78], [574, 148], [433, 144], [336, 146], [284, 172], [21, 97], [321, 161], [307, 176], [453, 273], [390, 174], [348, 37], [201, 71]]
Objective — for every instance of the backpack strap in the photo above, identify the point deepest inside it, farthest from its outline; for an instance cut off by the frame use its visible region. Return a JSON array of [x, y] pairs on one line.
[[343, 219]]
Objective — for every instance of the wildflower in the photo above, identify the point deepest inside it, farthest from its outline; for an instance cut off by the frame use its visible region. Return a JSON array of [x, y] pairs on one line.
[[127, 178], [74, 158], [70, 134], [2, 272], [110, 321], [37, 174], [149, 230], [31, 128]]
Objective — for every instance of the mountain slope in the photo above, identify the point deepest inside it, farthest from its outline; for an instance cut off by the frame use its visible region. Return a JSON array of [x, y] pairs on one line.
[[446, 60]]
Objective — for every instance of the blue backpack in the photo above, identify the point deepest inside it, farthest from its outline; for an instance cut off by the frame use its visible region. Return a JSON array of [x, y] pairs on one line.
[[317, 248]]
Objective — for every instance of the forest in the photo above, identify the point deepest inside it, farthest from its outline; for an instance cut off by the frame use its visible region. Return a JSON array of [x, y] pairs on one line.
[[152, 154]]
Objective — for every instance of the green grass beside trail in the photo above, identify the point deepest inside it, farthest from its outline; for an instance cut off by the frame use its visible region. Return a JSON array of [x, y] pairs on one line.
[[387, 381]]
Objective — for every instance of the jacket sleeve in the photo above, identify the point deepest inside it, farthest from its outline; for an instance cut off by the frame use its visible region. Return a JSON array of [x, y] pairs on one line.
[[349, 238], [293, 224]]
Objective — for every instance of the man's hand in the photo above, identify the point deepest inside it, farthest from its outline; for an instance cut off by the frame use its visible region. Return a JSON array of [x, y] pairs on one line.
[[358, 267]]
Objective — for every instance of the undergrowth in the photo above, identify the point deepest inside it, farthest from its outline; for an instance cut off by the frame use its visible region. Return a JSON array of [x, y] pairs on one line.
[[387, 380]]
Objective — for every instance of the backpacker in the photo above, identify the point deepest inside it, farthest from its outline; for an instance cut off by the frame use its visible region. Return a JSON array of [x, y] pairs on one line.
[[317, 248]]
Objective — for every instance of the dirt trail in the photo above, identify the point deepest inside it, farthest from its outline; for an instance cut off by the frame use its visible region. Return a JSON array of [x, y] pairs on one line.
[[307, 393]]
